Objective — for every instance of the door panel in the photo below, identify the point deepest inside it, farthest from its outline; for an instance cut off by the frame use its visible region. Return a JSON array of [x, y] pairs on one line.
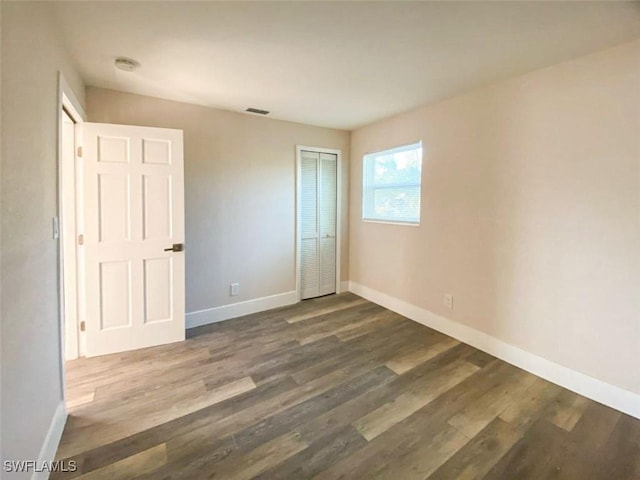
[[327, 266], [156, 204], [327, 198], [113, 149], [158, 289], [327, 207], [133, 210], [115, 294], [309, 225], [309, 268], [309, 187], [114, 207], [156, 151]]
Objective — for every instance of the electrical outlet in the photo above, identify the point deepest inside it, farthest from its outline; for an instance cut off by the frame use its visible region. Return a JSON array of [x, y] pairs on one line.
[[448, 300], [235, 289]]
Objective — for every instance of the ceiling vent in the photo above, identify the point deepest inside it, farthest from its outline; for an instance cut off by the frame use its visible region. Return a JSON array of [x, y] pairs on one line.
[[258, 111]]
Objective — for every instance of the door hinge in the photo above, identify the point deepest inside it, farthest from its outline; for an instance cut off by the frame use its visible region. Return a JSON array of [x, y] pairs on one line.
[[82, 326], [56, 227], [80, 151], [80, 239]]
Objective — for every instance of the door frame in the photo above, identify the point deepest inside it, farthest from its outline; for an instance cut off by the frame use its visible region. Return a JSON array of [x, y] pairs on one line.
[[338, 153], [68, 102]]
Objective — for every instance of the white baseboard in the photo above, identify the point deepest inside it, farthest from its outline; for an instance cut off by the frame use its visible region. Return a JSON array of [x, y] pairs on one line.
[[225, 312], [51, 441], [602, 392], [344, 286]]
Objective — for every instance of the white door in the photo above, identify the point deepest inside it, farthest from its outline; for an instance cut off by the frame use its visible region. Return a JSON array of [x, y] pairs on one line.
[[134, 214], [318, 213]]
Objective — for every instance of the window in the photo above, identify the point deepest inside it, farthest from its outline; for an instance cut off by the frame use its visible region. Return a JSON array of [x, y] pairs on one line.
[[391, 185]]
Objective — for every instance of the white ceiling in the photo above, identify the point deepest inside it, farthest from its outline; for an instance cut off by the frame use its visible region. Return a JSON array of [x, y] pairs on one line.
[[335, 64]]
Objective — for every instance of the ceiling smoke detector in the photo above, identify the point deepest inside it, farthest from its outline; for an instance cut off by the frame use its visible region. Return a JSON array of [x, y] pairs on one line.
[[257, 110], [126, 64]]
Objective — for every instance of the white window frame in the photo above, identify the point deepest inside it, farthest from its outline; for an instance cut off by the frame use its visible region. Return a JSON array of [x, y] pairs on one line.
[[368, 187]]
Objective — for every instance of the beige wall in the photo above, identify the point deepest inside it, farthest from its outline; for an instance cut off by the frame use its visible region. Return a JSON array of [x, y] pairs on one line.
[[239, 192], [530, 213], [32, 54]]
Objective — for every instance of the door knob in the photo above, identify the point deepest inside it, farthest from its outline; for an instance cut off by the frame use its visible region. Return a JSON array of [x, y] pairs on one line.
[[177, 247]]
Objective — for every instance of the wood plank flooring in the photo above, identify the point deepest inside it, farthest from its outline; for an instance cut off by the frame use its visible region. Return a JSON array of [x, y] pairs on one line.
[[332, 388]]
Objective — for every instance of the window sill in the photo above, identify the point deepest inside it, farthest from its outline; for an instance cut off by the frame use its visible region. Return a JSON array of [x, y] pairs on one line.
[[392, 222]]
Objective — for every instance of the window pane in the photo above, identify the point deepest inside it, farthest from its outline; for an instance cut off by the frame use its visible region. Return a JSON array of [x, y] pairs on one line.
[[400, 203], [398, 168]]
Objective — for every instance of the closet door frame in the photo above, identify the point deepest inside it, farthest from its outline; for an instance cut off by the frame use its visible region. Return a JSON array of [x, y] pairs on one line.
[[338, 154]]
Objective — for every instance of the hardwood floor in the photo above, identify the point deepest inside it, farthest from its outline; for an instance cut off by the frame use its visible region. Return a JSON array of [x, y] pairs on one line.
[[333, 388]]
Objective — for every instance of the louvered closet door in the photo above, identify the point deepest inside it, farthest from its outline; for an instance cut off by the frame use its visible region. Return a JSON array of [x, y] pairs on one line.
[[318, 224]]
